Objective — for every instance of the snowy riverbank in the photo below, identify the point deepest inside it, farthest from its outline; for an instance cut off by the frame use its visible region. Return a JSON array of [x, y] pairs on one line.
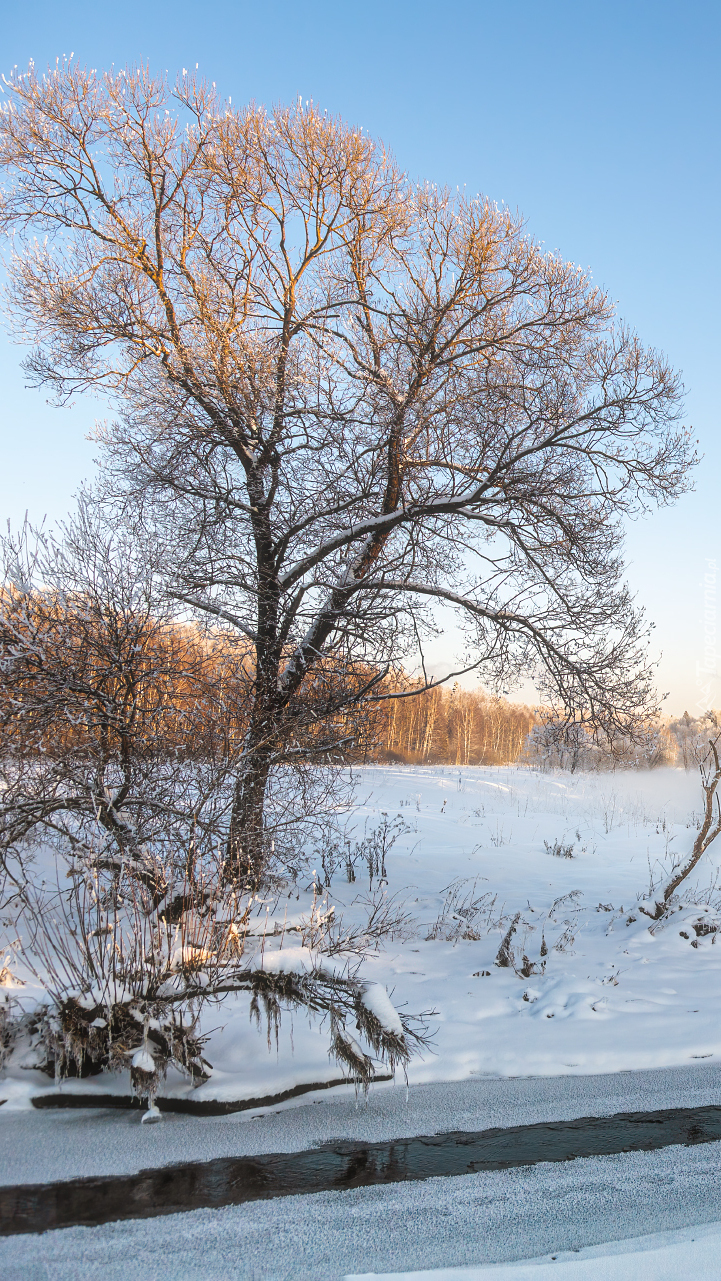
[[603, 992]]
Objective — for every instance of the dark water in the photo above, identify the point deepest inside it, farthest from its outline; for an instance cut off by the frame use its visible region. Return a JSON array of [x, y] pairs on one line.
[[340, 1165]]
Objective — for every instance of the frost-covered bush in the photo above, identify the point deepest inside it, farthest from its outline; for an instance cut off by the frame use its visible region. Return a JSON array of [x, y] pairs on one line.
[[557, 744], [465, 914], [80, 1037], [8, 1029], [559, 849], [560, 920], [372, 850], [691, 735], [128, 979]]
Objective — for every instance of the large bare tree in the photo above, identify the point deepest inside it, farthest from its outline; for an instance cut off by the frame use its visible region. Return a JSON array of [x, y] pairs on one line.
[[341, 398]]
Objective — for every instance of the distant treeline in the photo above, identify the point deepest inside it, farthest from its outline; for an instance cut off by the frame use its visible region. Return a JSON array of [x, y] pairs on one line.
[[453, 726], [72, 675]]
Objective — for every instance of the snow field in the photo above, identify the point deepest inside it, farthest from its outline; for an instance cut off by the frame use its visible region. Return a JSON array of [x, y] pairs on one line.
[[604, 993]]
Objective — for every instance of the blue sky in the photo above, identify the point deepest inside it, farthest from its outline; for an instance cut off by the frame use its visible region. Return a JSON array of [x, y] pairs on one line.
[[598, 119]]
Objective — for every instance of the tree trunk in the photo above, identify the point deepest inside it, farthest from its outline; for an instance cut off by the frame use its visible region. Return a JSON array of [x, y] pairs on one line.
[[247, 843]]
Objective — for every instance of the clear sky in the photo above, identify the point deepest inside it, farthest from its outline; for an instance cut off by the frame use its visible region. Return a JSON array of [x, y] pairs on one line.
[[599, 119]]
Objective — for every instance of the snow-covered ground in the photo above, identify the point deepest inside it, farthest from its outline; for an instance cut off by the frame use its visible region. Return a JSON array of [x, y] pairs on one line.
[[663, 1256], [609, 994], [603, 993]]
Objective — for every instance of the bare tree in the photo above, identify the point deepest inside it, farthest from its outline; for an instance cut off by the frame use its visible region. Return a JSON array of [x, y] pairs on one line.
[[122, 730], [341, 399], [103, 758], [563, 744], [116, 787], [691, 736]]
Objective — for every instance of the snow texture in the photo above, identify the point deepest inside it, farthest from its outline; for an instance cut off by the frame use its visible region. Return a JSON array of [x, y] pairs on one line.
[[375, 998], [143, 1061], [611, 993], [663, 1256]]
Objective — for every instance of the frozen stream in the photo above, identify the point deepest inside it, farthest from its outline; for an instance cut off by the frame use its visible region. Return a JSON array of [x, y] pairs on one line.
[[487, 1217], [341, 1166]]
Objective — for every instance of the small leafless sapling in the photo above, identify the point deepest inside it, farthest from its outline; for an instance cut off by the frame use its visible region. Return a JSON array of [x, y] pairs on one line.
[[710, 770]]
